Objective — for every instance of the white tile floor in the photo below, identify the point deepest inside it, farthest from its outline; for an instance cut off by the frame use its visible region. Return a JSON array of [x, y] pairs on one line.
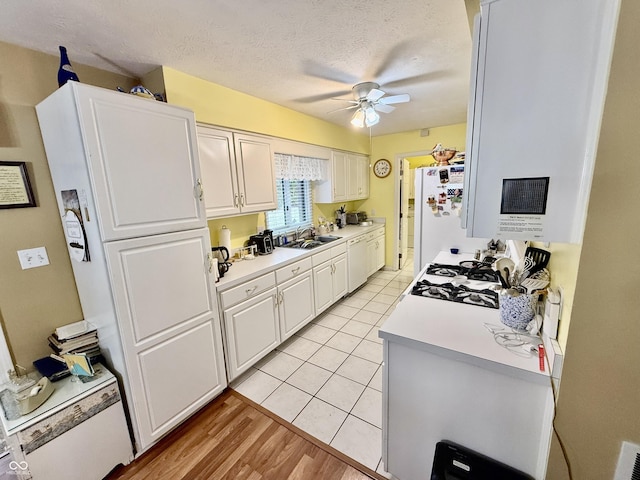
[[327, 378]]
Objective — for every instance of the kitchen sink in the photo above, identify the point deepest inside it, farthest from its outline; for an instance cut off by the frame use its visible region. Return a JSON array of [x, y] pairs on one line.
[[309, 243]]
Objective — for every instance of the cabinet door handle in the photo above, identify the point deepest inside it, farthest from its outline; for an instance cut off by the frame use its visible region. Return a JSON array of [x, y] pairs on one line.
[[235, 200], [276, 301], [281, 298], [295, 270], [200, 190], [242, 199], [251, 290]]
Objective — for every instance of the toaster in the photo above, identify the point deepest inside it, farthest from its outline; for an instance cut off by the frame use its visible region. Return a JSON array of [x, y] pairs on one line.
[[354, 218], [263, 241]]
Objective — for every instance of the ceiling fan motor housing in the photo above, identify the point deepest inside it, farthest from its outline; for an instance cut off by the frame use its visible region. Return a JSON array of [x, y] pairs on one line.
[[361, 90]]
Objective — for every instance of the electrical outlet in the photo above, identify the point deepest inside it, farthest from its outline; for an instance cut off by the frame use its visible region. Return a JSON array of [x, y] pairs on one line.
[[33, 257]]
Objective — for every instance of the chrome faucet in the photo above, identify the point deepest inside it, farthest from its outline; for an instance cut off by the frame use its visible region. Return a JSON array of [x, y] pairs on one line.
[[299, 232]]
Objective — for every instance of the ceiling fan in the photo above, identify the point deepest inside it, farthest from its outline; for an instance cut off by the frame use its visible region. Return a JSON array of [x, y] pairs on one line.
[[368, 100]]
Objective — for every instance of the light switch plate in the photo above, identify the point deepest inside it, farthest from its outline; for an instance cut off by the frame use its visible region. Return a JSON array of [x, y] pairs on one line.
[[33, 257]]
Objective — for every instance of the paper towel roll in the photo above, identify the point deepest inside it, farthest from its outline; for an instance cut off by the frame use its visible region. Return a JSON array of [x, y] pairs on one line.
[[224, 238]]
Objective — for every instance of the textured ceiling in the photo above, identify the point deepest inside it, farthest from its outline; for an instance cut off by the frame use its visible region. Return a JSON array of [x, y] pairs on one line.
[[296, 53]]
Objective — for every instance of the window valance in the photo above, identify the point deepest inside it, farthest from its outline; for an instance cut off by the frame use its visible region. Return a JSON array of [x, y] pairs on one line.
[[293, 167]]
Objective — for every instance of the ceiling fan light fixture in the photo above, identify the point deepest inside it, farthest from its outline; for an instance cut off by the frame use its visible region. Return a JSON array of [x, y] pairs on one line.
[[371, 116], [358, 118]]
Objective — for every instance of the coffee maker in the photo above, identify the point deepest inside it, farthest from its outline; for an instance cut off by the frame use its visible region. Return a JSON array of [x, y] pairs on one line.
[[263, 241]]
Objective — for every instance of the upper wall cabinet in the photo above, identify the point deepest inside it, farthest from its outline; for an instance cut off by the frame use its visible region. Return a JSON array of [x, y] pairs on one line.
[[539, 80], [348, 179], [237, 172], [139, 157]]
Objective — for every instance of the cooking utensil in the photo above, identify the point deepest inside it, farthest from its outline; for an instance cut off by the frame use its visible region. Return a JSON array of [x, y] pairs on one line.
[[507, 277], [532, 285], [503, 281], [539, 257], [500, 265]]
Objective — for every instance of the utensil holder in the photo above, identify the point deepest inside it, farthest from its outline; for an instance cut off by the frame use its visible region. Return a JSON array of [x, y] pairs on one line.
[[517, 311]]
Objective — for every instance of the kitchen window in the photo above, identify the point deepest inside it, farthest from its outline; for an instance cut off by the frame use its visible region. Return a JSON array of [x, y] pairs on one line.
[[294, 206]]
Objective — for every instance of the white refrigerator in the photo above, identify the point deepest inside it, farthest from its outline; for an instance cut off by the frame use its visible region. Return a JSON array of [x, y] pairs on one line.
[[126, 176], [438, 210]]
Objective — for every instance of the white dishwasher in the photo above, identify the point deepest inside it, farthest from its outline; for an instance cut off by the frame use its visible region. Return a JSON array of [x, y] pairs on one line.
[[357, 260]]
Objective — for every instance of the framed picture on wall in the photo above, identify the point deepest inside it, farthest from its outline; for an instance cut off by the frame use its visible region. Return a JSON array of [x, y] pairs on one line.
[[15, 188]]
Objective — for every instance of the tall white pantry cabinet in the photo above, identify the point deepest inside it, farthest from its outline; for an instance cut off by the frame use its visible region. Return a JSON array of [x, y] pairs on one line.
[[134, 219]]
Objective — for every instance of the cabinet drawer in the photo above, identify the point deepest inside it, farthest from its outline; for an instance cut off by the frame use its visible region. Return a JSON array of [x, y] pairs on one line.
[[378, 232], [321, 257], [285, 273], [339, 249], [247, 290]]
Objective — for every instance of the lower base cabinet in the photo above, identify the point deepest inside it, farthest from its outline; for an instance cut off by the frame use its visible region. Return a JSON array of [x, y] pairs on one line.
[[295, 304], [271, 309], [375, 251], [330, 281], [252, 330]]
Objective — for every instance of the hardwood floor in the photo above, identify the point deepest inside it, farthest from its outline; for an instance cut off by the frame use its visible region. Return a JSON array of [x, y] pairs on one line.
[[234, 438]]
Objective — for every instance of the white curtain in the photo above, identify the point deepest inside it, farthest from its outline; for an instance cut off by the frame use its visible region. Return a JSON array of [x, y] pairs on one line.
[[293, 167]]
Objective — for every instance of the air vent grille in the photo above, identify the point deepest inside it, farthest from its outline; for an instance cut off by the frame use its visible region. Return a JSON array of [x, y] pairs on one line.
[[629, 462]]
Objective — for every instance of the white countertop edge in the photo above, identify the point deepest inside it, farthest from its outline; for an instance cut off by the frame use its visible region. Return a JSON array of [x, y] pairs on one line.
[[541, 378], [244, 270]]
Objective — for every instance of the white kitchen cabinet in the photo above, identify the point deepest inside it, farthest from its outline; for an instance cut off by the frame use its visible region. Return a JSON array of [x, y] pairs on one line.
[[380, 251], [330, 277], [252, 330], [161, 290], [237, 172], [372, 257], [133, 152], [535, 109], [259, 315], [357, 177], [295, 304], [375, 250], [349, 179], [126, 176]]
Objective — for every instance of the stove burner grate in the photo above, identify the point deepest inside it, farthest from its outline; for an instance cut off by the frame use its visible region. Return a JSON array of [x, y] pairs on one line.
[[460, 294], [479, 272]]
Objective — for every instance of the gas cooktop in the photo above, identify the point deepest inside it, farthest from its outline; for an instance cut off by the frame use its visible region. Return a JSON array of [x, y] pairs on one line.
[[456, 293], [471, 269]]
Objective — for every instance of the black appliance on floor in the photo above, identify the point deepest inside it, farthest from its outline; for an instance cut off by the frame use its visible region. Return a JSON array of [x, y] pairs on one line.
[[455, 462]]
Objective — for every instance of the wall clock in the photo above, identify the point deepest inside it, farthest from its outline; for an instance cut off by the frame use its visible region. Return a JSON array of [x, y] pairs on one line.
[[382, 168]]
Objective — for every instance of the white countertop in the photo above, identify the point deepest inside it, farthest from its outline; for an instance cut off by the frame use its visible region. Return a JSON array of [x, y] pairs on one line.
[[457, 331], [244, 270]]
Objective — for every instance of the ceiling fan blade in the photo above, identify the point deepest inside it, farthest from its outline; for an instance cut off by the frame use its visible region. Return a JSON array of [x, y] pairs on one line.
[[314, 69], [416, 79], [355, 102], [381, 107], [374, 95], [344, 108], [319, 97], [402, 98]]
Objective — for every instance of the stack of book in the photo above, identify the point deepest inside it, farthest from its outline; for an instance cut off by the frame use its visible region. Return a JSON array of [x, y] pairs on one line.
[[80, 337]]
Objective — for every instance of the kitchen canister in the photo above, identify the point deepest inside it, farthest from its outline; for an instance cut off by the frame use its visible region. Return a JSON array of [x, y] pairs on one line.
[[516, 311], [224, 237]]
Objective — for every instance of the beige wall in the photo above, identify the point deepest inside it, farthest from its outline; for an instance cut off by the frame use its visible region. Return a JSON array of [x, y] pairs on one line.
[[33, 302], [600, 391]]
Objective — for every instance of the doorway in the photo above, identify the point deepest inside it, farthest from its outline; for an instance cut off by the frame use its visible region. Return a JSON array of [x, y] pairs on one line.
[[403, 210]]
